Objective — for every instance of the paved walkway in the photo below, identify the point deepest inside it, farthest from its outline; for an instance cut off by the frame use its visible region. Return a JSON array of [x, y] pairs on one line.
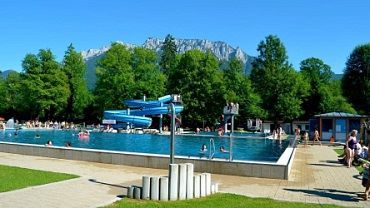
[[316, 177]]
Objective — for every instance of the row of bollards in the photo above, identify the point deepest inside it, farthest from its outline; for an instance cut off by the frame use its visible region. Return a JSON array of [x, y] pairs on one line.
[[180, 184]]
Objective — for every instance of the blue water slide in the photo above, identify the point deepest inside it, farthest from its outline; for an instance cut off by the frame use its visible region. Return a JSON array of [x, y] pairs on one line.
[[165, 99], [155, 111], [142, 108], [138, 121], [148, 104], [142, 112]]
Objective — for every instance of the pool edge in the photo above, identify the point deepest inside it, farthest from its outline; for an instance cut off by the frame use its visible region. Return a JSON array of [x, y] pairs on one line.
[[278, 170]]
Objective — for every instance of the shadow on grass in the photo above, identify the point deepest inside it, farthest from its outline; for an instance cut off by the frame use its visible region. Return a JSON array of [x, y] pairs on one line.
[[331, 193]]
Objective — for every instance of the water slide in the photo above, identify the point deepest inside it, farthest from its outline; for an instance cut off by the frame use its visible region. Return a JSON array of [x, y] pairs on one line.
[[138, 109]]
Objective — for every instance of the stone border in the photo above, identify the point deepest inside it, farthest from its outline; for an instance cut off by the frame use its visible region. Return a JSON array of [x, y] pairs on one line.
[[278, 170]]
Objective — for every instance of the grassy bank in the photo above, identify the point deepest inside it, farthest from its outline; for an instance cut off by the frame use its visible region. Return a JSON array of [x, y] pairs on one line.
[[216, 200], [12, 178]]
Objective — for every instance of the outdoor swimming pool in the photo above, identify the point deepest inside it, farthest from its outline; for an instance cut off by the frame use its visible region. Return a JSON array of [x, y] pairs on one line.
[[248, 148]]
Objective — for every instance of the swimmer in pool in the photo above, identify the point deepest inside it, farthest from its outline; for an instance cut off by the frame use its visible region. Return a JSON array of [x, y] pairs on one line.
[[222, 149], [203, 148]]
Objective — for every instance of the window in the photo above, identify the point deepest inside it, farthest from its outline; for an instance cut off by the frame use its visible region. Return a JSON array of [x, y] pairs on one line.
[[327, 125]]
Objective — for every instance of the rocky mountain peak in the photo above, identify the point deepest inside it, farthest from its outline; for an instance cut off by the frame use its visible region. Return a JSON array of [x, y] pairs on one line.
[[220, 49]]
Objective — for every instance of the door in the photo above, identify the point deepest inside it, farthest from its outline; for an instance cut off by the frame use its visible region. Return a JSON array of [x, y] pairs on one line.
[[340, 130]]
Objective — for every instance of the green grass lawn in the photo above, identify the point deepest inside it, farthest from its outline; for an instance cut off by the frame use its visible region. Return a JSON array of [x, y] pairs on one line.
[[216, 200], [339, 151], [12, 178]]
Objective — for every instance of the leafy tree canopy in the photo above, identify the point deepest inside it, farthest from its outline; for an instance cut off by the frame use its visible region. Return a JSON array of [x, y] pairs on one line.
[[278, 84], [45, 84], [356, 79], [199, 81], [239, 90], [115, 78], [317, 75]]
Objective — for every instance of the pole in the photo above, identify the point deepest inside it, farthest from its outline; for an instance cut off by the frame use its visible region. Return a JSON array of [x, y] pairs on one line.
[[231, 148], [232, 123], [161, 122], [172, 144]]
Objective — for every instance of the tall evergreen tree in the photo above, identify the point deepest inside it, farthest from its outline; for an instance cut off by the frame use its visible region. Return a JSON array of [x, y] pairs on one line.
[[276, 81], [75, 69], [356, 79], [168, 55]]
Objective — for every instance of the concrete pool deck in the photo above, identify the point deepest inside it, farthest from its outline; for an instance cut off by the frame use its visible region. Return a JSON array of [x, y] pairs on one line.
[[316, 177]]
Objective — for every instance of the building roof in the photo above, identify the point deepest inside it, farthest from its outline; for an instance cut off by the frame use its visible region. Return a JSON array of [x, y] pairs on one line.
[[341, 115]]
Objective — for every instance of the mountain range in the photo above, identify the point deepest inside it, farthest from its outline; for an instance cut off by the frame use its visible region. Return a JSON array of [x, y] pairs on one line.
[[222, 50]]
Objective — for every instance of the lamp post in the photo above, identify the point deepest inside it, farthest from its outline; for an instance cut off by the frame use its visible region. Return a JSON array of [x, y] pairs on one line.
[[171, 107]]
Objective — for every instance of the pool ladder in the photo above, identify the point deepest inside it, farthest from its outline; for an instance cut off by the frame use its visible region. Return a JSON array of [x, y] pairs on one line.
[[212, 148]]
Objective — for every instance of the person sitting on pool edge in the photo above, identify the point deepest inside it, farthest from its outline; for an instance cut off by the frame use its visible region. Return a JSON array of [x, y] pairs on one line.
[[49, 143], [68, 144]]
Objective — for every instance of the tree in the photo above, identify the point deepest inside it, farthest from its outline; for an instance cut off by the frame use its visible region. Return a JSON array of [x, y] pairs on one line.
[[115, 78], [356, 79], [168, 55], [3, 103], [13, 94], [149, 80], [33, 85], [45, 85], [74, 67], [239, 90], [276, 81], [333, 99], [199, 81], [317, 75]]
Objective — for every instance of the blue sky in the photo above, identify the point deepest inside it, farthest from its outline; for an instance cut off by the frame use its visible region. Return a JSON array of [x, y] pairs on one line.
[[328, 30]]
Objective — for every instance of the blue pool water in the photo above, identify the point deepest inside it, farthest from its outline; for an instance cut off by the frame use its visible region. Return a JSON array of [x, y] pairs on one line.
[[247, 148]]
